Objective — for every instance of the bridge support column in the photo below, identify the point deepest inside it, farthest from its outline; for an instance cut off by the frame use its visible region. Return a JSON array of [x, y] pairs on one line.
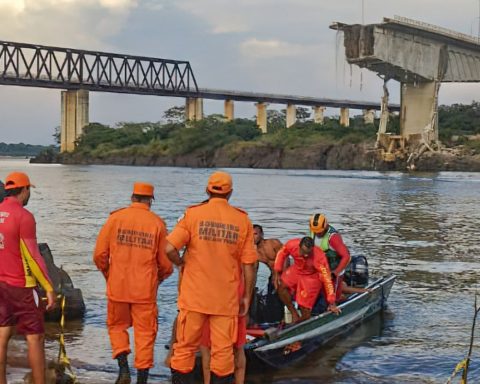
[[345, 117], [291, 115], [318, 114], [369, 116], [194, 108], [262, 116], [229, 110], [75, 105], [418, 106]]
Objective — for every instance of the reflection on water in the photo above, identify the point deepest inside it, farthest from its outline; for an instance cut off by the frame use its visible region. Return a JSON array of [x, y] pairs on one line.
[[422, 227]]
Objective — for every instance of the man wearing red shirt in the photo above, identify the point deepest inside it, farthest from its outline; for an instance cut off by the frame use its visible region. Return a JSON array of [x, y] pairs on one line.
[[21, 267], [306, 277], [331, 243]]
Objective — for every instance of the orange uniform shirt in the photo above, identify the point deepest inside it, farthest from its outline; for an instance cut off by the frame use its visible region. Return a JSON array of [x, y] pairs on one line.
[[130, 252], [218, 237]]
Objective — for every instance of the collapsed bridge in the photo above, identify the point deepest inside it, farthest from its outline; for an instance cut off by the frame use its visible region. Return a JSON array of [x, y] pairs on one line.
[[420, 56]]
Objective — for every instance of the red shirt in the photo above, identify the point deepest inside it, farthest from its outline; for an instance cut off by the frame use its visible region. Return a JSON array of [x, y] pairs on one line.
[[21, 263], [316, 263]]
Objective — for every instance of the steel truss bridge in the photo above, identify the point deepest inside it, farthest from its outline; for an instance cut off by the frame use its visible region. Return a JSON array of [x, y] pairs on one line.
[[34, 65], [53, 67]]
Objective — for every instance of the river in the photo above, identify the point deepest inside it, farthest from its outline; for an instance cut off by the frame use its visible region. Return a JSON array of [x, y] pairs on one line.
[[422, 227]]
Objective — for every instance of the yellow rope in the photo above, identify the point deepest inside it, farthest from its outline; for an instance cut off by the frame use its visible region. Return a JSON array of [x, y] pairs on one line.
[[62, 353], [460, 367]]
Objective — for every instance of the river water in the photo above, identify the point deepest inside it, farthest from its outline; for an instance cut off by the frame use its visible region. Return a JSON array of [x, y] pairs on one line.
[[422, 227]]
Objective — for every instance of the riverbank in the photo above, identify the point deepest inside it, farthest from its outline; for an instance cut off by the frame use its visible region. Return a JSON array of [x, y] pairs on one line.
[[361, 156]]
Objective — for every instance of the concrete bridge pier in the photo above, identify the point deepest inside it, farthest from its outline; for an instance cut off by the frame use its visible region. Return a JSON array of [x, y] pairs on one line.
[[344, 117], [318, 114], [75, 105], [369, 116], [229, 110], [418, 118], [291, 117], [194, 108], [262, 116]]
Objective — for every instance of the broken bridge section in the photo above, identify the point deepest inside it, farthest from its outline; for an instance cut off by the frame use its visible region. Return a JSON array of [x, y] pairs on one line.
[[420, 56]]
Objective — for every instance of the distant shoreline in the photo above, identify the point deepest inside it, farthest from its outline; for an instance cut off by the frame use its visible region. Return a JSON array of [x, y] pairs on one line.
[[315, 157]]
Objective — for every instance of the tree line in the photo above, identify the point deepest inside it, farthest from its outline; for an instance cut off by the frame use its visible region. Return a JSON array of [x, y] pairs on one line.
[[173, 136]]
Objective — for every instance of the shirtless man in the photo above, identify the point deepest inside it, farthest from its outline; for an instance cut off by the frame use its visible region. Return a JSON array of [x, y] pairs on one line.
[[267, 249]]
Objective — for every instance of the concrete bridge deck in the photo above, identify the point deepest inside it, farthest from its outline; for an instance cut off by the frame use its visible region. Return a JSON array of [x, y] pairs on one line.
[[420, 56]]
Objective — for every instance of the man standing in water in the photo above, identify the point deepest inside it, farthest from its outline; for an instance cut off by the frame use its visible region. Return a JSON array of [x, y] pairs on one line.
[[130, 252], [21, 267], [219, 242]]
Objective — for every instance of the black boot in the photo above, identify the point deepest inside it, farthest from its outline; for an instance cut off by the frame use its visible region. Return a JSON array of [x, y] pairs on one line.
[[142, 376], [182, 378], [124, 371], [229, 379]]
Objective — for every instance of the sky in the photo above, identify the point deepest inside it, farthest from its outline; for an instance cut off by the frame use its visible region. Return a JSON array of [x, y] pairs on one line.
[[271, 46]]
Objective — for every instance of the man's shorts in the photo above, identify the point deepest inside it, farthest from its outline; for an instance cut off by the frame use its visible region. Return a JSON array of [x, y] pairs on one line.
[[20, 307], [307, 287]]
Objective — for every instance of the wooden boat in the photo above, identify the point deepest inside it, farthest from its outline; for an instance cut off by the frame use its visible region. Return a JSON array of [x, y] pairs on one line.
[[278, 347], [62, 283]]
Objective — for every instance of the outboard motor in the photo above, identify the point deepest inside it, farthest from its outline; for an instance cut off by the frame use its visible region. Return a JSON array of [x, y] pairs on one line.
[[356, 274]]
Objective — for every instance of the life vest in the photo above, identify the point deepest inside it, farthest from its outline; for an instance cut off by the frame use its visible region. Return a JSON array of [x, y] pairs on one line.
[[324, 244]]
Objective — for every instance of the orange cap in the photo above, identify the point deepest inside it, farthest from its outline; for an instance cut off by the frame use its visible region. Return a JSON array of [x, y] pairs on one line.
[[17, 180], [143, 189], [219, 182]]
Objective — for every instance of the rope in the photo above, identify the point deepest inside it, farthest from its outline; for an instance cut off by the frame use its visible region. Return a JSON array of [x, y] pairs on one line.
[[460, 367], [63, 359]]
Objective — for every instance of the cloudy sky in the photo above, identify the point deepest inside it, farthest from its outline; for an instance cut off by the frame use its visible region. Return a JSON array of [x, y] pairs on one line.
[[274, 46]]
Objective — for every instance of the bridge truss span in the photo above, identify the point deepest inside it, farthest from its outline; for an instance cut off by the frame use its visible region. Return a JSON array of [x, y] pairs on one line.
[[64, 68]]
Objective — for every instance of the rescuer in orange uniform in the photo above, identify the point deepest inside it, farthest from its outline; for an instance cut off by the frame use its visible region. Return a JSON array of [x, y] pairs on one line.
[[305, 277], [21, 268], [130, 252], [219, 241]]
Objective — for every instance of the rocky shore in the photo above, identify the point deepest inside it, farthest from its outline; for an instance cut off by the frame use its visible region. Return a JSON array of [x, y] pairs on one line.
[[318, 156]]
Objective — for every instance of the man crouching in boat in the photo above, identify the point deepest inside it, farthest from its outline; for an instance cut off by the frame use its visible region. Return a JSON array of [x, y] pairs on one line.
[[331, 243], [306, 277]]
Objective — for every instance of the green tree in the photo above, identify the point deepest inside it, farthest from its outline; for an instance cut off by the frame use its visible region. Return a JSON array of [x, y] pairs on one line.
[[276, 120], [175, 114], [303, 114], [57, 135]]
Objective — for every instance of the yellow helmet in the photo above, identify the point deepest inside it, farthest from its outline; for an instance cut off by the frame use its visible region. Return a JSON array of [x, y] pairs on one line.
[[318, 223]]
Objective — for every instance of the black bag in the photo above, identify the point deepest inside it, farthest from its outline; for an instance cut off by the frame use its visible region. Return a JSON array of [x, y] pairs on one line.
[[266, 308]]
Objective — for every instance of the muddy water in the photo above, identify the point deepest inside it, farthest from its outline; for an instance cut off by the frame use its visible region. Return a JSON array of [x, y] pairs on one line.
[[422, 227]]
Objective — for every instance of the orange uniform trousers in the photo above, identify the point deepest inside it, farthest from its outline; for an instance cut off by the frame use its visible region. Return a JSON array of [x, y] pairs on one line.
[[143, 318], [223, 334]]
